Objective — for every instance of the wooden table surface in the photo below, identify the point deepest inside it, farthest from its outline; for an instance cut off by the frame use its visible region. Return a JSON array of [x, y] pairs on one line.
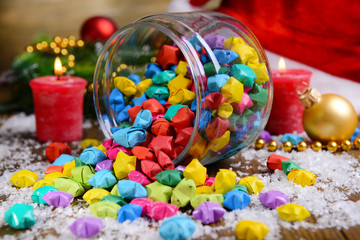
[[351, 233]]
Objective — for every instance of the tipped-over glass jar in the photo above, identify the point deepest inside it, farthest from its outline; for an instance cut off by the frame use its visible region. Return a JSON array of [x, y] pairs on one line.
[[183, 86]]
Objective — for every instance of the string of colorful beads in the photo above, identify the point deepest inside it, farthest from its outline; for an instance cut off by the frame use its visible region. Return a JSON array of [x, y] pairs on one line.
[[287, 146]]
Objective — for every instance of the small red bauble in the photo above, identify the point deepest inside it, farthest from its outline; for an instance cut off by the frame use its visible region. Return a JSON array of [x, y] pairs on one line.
[[97, 28]]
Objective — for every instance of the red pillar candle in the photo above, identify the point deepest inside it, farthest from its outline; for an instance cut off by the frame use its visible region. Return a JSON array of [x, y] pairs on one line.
[[286, 112], [58, 107]]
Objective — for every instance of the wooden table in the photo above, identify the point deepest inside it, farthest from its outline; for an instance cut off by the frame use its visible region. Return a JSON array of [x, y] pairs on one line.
[[330, 233]]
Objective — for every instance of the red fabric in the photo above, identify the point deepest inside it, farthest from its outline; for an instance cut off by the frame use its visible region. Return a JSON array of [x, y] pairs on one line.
[[198, 3], [322, 34]]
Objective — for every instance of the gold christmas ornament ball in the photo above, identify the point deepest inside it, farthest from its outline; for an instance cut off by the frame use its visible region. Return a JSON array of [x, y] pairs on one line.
[[316, 146], [272, 146], [332, 146], [259, 143], [331, 118], [346, 145], [301, 146], [357, 143], [287, 146]]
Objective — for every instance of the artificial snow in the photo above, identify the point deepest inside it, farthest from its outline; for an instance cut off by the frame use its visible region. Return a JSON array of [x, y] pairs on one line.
[[338, 177], [19, 123]]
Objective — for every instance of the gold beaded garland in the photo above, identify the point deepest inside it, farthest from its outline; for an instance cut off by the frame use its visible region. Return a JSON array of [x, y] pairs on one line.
[[301, 146], [316, 146], [272, 146], [259, 143], [332, 146], [287, 146], [346, 145], [357, 143]]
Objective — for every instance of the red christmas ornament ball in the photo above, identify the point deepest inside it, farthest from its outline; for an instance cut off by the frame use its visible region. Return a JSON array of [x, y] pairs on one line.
[[97, 28]]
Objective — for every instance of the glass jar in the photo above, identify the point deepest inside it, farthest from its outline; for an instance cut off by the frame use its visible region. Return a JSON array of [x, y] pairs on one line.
[[217, 132]]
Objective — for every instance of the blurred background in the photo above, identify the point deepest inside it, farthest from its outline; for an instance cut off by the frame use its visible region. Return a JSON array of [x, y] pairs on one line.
[[25, 23], [22, 20]]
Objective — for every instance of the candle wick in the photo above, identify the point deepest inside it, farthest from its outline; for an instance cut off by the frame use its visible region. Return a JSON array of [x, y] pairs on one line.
[[58, 77]]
